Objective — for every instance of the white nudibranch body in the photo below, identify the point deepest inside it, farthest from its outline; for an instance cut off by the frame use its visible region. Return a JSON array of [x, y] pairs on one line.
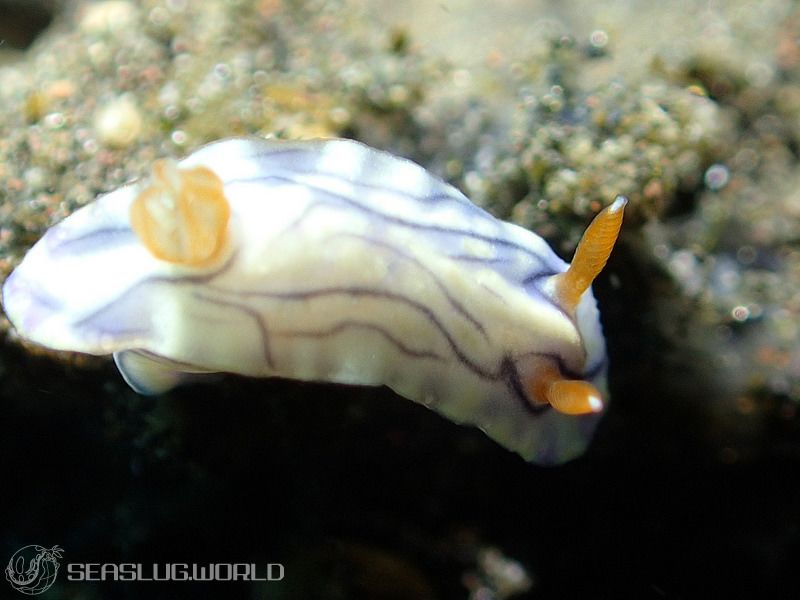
[[328, 261]]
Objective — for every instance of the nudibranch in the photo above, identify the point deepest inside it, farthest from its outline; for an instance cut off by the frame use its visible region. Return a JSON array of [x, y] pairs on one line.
[[329, 261]]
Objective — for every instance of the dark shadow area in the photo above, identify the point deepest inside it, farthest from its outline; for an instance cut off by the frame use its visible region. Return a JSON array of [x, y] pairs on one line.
[[21, 21], [359, 493]]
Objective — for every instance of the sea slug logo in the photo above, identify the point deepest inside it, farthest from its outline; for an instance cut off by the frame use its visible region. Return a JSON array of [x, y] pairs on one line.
[[33, 569]]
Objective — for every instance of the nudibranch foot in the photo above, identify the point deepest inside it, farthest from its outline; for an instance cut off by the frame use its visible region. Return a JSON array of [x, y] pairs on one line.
[[591, 255], [150, 375]]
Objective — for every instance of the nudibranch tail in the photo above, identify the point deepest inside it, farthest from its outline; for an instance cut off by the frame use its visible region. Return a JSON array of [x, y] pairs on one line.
[[590, 256], [182, 217], [567, 396]]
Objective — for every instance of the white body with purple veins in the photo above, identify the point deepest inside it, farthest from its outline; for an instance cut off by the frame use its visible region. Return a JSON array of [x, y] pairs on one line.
[[328, 261]]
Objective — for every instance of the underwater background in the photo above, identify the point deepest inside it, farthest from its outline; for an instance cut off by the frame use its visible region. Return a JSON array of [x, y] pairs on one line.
[[540, 111]]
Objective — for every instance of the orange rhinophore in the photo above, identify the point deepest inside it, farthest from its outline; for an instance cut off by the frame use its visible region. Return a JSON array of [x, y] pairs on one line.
[[182, 216], [547, 385], [567, 396], [590, 256]]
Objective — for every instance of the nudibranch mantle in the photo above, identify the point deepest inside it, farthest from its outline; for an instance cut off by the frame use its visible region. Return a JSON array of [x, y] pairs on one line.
[[328, 261]]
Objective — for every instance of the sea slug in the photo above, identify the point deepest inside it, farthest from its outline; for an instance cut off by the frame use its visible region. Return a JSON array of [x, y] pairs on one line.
[[329, 261]]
